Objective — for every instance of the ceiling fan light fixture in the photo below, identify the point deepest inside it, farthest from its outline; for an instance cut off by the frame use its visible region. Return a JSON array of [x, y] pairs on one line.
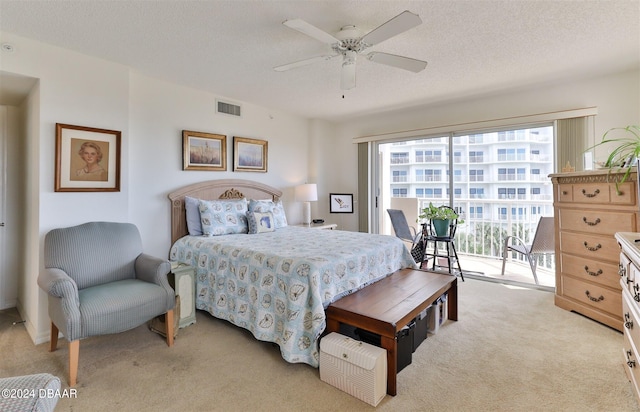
[[349, 42]]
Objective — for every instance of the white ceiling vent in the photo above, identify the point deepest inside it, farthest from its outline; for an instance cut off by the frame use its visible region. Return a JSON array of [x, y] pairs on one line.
[[228, 108]]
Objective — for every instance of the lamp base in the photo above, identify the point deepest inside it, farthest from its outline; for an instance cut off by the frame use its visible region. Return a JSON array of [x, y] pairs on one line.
[[306, 213]]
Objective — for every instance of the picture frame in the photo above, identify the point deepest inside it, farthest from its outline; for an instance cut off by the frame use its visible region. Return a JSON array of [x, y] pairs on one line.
[[340, 203], [87, 159], [204, 151], [249, 155]]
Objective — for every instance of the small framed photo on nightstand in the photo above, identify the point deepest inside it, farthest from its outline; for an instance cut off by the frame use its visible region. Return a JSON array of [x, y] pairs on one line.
[[340, 203]]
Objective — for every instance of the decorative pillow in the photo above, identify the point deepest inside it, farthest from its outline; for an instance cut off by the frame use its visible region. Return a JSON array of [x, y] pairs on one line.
[[280, 219], [223, 217], [260, 222], [192, 206]]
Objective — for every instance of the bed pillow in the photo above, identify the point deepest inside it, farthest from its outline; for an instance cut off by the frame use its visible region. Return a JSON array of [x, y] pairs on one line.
[[223, 217], [279, 217], [260, 222], [192, 207]]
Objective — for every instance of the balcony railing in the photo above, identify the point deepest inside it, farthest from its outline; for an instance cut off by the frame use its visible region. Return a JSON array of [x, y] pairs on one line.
[[486, 226]]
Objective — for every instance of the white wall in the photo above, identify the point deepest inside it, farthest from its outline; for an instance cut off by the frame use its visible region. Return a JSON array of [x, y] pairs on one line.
[[616, 96], [160, 111], [81, 90]]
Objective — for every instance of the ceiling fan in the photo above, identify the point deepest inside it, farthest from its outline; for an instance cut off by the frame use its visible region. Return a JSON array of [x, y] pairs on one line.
[[349, 42]]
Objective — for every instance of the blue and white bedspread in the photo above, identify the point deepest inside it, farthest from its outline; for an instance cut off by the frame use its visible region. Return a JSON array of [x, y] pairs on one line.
[[278, 284]]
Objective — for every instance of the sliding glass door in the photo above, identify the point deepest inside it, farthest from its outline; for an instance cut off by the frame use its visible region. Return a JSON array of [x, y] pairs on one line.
[[497, 180]]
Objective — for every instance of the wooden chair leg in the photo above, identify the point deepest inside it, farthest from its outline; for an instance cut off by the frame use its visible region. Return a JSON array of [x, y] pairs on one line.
[[74, 352], [168, 321], [53, 344]]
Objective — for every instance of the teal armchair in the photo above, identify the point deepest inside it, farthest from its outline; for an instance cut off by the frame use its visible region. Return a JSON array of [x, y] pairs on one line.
[[99, 282]]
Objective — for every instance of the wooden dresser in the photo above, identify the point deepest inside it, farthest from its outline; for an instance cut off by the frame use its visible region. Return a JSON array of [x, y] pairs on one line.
[[589, 210], [630, 283]]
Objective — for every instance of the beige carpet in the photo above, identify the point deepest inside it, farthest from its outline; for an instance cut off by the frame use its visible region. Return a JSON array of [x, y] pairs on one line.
[[511, 350]]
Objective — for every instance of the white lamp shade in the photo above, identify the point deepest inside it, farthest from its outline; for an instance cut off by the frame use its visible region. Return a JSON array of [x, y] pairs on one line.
[[306, 193]]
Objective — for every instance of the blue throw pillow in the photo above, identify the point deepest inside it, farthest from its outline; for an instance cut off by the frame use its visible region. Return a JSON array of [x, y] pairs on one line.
[[192, 207], [260, 222], [223, 217], [276, 208]]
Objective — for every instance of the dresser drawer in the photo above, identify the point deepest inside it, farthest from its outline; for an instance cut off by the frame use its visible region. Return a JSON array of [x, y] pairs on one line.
[[627, 272], [598, 297], [565, 193], [624, 195], [596, 221], [594, 193], [631, 365], [630, 320], [593, 247], [592, 270]]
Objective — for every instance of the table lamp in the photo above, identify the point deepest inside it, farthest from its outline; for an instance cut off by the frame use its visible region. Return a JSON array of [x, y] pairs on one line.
[[306, 193]]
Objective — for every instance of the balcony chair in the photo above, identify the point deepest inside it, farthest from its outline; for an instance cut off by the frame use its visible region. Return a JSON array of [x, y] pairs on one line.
[[99, 282], [407, 233], [439, 248], [543, 244]]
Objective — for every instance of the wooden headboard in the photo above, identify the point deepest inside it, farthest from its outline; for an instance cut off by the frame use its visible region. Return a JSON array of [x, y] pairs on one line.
[[213, 190]]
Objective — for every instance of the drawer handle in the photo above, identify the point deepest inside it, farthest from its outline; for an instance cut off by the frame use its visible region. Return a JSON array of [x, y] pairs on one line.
[[591, 273], [622, 270], [591, 298], [584, 219], [627, 322], [630, 363], [564, 192], [594, 194], [592, 248]]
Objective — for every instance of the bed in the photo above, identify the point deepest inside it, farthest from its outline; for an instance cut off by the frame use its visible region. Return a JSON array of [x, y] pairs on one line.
[[277, 283]]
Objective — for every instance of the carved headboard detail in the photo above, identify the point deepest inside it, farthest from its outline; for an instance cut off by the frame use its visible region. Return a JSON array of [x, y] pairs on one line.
[[231, 194], [213, 190]]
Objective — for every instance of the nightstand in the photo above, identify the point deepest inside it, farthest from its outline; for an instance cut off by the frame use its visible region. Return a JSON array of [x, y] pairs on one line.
[[325, 226], [182, 279]]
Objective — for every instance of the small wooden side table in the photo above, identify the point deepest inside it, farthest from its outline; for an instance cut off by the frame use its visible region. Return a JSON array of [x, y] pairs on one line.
[[182, 279]]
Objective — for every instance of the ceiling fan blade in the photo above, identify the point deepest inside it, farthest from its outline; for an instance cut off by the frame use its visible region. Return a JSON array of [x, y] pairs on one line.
[[348, 74], [401, 23], [304, 62], [310, 30], [406, 63]]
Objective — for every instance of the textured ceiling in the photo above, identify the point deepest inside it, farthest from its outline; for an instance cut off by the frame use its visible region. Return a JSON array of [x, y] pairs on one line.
[[230, 47]]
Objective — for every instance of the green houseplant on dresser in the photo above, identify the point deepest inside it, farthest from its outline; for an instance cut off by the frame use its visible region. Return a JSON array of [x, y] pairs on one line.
[[626, 149]]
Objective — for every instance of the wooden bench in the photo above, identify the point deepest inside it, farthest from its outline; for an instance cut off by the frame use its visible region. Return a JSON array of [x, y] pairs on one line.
[[388, 305]]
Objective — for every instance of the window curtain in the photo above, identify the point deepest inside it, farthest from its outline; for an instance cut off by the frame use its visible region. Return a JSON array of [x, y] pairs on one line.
[[363, 187], [573, 138]]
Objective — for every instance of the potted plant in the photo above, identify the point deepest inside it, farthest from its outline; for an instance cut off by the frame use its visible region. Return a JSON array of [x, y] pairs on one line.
[[441, 217], [626, 152]]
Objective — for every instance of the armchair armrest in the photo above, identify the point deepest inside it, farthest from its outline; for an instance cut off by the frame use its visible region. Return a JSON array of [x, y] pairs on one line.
[[64, 301], [58, 284], [152, 269], [155, 270]]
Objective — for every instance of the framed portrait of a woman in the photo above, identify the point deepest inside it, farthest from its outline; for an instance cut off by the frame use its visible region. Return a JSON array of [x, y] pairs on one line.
[[87, 159]]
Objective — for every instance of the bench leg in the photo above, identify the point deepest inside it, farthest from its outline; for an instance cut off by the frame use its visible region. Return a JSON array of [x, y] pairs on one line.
[[452, 301], [332, 325], [391, 345]]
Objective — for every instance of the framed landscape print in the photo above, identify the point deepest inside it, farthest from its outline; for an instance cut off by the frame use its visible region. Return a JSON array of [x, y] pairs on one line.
[[204, 151], [340, 203], [249, 155], [87, 159]]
